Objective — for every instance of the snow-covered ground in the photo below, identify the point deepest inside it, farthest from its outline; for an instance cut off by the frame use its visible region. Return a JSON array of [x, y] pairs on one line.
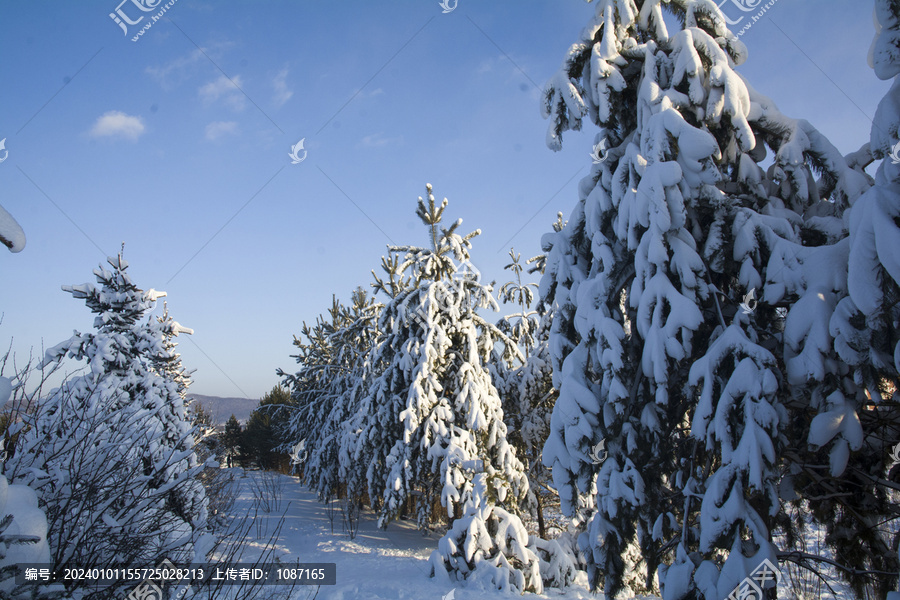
[[375, 565], [393, 564]]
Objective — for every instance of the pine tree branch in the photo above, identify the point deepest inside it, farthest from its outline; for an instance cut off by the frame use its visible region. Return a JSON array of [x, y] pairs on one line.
[[715, 292], [803, 565], [828, 496], [878, 480], [548, 488], [796, 556], [818, 479]]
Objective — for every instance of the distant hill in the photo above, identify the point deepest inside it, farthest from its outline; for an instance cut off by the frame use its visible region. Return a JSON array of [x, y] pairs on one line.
[[222, 408]]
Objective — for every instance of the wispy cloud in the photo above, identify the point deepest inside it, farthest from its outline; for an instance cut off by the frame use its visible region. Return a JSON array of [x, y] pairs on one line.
[[187, 66], [377, 140], [486, 66], [282, 93], [224, 88], [115, 124], [177, 70], [217, 129]]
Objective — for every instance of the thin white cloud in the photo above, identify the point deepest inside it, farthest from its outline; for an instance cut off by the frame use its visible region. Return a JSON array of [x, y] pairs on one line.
[[186, 66], [282, 93], [377, 140], [176, 70], [217, 129], [117, 124], [224, 88], [486, 66]]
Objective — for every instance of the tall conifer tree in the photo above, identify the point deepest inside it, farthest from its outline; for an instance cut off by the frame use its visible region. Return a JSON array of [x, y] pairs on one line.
[[676, 227]]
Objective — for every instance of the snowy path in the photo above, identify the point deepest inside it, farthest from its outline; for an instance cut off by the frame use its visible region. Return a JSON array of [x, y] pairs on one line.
[[376, 565]]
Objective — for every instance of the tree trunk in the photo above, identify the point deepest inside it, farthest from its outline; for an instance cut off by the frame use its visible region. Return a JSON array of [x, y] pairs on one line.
[[540, 516]]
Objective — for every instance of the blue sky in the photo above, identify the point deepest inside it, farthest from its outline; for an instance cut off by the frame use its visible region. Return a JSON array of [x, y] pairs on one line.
[[150, 143]]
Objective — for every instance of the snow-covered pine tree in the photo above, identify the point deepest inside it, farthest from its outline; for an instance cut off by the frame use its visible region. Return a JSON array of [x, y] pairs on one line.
[[327, 387], [180, 432], [857, 506], [520, 327], [312, 388], [110, 452], [524, 382], [218, 482], [356, 340], [867, 325], [169, 362], [674, 227], [430, 427], [366, 441], [433, 408]]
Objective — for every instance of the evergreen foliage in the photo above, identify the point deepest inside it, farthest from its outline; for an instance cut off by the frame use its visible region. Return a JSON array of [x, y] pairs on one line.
[[661, 350], [524, 382], [233, 440], [266, 429], [110, 452]]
